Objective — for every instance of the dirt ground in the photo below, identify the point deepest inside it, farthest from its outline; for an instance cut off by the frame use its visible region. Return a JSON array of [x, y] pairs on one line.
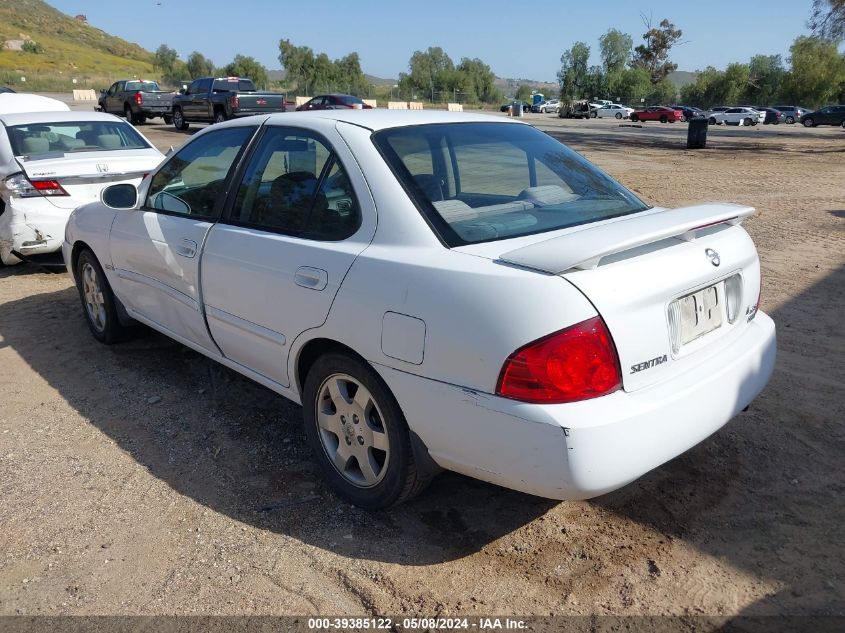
[[142, 479]]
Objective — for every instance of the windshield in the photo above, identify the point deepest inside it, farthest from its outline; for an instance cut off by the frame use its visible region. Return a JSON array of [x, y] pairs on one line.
[[478, 182], [141, 85], [43, 140]]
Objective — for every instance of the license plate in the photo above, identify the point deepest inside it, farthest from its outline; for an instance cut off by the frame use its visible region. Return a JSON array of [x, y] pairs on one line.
[[700, 312]]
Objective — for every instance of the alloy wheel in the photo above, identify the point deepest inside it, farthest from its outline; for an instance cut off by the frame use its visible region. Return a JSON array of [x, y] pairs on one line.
[[94, 302], [352, 431]]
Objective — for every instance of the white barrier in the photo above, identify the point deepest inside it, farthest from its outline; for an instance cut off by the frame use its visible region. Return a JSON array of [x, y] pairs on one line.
[[397, 105], [301, 100], [415, 105], [455, 107], [84, 95], [370, 102]]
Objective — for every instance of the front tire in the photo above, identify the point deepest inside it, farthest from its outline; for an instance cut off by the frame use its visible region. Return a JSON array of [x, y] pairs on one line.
[[179, 121], [167, 119], [634, 118], [358, 434], [790, 119], [747, 122], [98, 302], [664, 118], [712, 121], [809, 123]]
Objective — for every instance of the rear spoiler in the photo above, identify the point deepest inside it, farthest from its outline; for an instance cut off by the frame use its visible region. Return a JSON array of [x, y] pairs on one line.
[[584, 249]]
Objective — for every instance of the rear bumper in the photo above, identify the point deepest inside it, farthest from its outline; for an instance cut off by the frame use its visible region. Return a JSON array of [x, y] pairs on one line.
[[31, 227], [585, 449]]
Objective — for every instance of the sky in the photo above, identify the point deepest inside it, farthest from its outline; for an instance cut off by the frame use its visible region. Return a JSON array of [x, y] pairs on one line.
[[519, 40]]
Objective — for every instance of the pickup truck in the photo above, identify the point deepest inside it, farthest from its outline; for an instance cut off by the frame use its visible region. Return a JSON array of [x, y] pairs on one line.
[[215, 100], [137, 100]]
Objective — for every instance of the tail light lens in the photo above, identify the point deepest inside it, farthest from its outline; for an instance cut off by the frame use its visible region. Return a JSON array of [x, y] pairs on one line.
[[21, 186], [577, 363], [733, 295], [138, 98], [234, 102]]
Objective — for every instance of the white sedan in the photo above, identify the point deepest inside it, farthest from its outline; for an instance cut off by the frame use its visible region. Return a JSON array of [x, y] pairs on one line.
[[437, 290], [613, 110], [744, 116], [53, 162]]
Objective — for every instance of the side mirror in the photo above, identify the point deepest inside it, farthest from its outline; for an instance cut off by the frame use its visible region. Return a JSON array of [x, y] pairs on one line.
[[122, 196]]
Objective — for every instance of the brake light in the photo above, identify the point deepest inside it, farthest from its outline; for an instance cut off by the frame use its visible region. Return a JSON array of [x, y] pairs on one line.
[[577, 363], [20, 185], [752, 311], [138, 98], [234, 102], [49, 188]]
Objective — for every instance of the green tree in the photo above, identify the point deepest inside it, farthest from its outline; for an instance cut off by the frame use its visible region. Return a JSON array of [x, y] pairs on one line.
[[765, 79], [817, 73], [298, 62], [596, 84], [573, 73], [31, 46], [653, 54], [718, 87], [166, 61], [615, 49], [478, 81], [243, 66], [523, 93], [431, 72], [199, 65], [828, 19], [663, 92], [629, 85]]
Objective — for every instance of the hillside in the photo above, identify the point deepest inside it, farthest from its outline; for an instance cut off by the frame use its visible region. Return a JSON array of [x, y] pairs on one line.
[[69, 49]]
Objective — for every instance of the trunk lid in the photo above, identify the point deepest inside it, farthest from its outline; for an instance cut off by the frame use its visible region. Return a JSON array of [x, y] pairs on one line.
[[660, 279], [84, 175]]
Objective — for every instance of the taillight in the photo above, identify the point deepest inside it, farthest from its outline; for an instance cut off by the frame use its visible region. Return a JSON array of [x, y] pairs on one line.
[[752, 311], [234, 102], [138, 98], [577, 363], [21, 186]]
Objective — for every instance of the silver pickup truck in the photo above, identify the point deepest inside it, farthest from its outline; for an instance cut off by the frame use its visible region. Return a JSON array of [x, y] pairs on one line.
[[137, 100]]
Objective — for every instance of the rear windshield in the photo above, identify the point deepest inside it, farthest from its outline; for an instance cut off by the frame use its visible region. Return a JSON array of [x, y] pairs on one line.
[[141, 85], [50, 139], [479, 182], [233, 85]]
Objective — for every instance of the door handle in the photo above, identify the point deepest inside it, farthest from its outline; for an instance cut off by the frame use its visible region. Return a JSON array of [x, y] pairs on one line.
[[188, 248], [311, 278]]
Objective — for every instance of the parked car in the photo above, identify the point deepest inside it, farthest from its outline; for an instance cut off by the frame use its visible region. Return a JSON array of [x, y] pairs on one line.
[[689, 112], [14, 103], [550, 106], [657, 113], [53, 162], [791, 114], [526, 107], [773, 116], [829, 115], [339, 260], [575, 110], [137, 100], [334, 102], [215, 100], [613, 110], [6, 89], [735, 116]]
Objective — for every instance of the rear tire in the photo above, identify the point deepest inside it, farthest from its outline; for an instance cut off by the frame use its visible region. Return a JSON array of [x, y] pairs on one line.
[[339, 387], [219, 116], [618, 115], [663, 119], [712, 120], [179, 121], [747, 122], [127, 114], [809, 123], [789, 119], [98, 302]]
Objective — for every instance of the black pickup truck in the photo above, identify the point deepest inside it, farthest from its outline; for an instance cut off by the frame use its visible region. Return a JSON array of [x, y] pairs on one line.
[[137, 100], [222, 98]]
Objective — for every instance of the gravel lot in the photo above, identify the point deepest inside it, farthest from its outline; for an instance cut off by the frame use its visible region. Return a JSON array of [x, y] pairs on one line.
[[142, 479]]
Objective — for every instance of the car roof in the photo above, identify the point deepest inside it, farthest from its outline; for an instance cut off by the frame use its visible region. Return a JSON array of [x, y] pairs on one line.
[[381, 118], [12, 103], [24, 118]]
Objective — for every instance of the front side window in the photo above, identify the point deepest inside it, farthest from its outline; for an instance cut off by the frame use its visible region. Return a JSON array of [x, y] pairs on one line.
[[295, 184], [478, 182], [192, 181], [46, 140]]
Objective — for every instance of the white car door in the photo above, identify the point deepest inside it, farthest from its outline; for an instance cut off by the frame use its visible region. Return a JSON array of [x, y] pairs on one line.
[[156, 248], [271, 268]]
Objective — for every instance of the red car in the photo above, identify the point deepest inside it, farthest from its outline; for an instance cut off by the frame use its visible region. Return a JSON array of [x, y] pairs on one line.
[[333, 102], [657, 113]]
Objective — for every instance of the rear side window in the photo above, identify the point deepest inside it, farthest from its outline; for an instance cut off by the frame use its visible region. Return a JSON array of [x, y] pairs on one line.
[[192, 181], [295, 184], [478, 182]]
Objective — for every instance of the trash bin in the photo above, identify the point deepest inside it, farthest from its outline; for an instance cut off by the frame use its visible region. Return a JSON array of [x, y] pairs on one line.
[[516, 108], [697, 133]]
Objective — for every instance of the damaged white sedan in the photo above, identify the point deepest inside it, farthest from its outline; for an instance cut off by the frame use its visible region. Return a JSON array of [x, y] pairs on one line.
[[53, 162], [437, 291]]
